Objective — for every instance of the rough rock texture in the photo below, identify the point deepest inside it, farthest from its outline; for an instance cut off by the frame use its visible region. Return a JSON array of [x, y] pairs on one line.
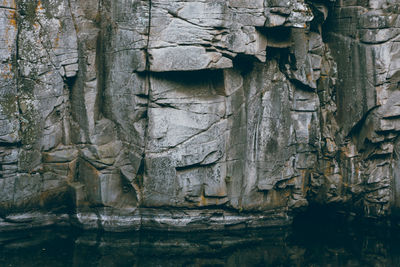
[[197, 114]]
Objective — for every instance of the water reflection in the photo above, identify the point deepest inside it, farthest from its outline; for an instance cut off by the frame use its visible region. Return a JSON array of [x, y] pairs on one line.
[[307, 244]]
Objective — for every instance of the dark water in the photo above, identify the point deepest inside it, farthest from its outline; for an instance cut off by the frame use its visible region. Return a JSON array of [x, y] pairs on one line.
[[323, 242]]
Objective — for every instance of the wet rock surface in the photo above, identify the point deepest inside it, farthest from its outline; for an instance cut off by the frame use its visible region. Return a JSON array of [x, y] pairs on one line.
[[125, 115]]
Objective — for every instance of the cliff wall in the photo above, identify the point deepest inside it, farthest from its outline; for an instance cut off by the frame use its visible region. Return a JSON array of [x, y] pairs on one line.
[[124, 115]]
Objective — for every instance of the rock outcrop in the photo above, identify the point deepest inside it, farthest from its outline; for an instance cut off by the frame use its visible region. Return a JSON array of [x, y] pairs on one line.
[[126, 115]]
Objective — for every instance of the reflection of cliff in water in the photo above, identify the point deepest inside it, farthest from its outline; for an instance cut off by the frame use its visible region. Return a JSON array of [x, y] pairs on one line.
[[312, 242]]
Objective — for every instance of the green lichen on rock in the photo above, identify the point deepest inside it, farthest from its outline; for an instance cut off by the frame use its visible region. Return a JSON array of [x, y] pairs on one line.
[[30, 123], [27, 9], [9, 105]]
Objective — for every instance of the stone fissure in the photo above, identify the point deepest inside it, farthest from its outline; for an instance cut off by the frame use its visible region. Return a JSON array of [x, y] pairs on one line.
[[17, 71]]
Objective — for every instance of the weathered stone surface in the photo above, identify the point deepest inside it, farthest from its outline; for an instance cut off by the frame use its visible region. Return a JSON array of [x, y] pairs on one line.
[[185, 115]]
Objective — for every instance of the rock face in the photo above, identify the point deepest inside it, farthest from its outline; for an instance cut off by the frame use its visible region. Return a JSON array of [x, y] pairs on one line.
[[197, 114]]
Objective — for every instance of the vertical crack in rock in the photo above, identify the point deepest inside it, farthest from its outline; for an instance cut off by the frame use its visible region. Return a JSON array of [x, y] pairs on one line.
[[17, 70], [148, 38], [142, 167]]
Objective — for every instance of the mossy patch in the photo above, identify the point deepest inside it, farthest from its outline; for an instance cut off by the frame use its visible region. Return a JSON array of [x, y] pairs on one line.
[[9, 105], [48, 7], [27, 9], [26, 86], [30, 126], [29, 160]]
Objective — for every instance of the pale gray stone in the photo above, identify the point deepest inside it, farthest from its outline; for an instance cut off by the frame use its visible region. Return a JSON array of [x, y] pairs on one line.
[[189, 115]]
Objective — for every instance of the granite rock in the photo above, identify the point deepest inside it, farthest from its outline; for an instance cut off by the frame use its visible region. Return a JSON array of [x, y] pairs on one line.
[[187, 115]]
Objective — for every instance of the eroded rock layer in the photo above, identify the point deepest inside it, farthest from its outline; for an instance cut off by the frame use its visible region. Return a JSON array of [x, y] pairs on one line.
[[185, 115]]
